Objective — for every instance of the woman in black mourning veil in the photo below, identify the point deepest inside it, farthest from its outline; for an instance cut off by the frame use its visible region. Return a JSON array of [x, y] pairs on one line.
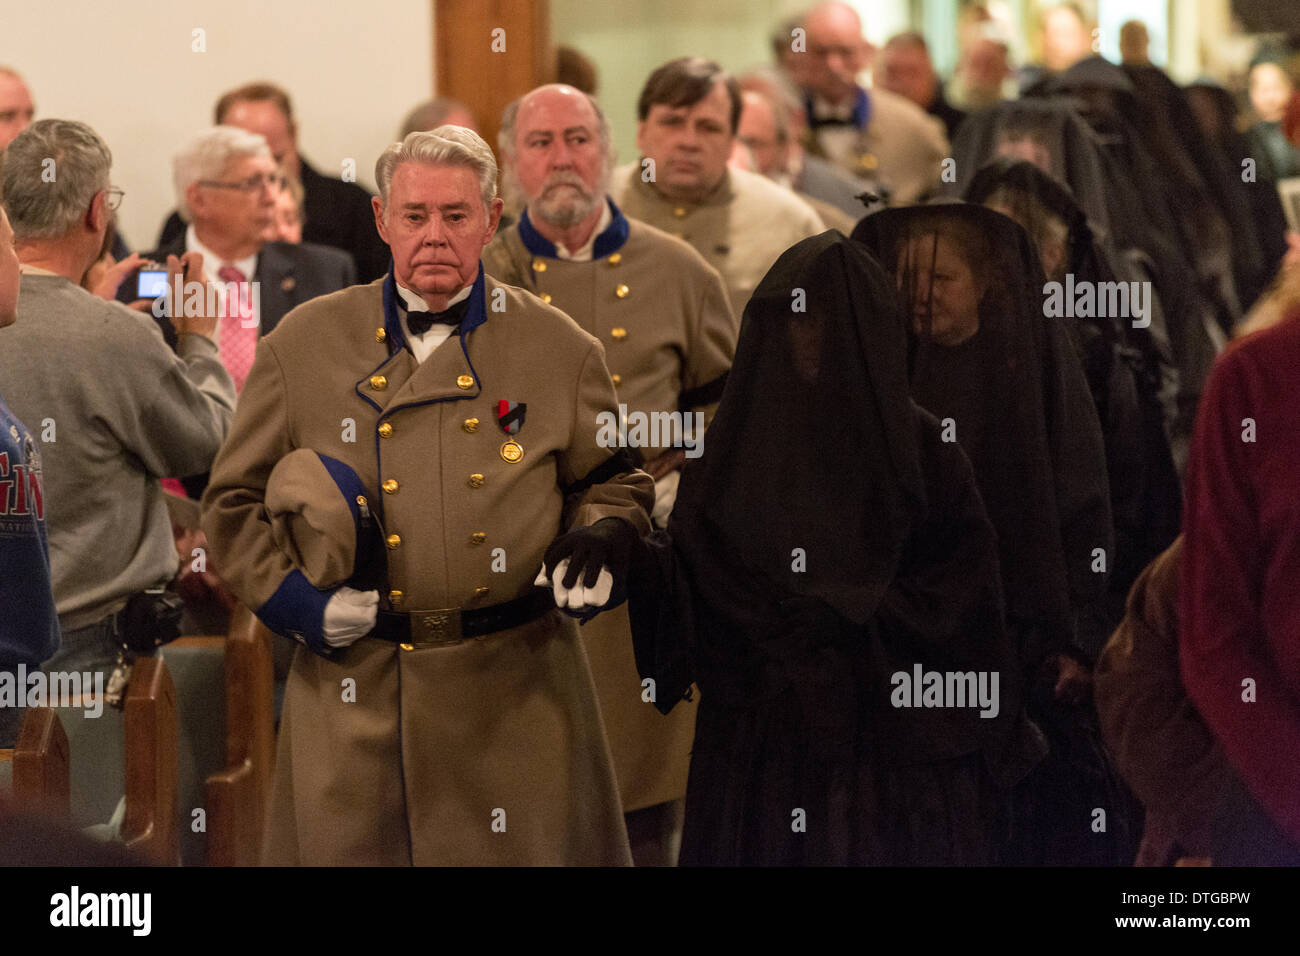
[[1129, 372], [1007, 385], [1126, 206], [826, 541]]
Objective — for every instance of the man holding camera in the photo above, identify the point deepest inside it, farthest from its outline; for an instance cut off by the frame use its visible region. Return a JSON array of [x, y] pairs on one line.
[[112, 406]]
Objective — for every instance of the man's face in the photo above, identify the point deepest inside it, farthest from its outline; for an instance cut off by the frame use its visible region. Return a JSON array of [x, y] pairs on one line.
[[690, 145], [905, 69], [986, 66], [837, 53], [264, 118], [558, 159], [9, 275], [436, 225], [16, 108], [234, 213], [757, 130], [1270, 91], [1065, 39]]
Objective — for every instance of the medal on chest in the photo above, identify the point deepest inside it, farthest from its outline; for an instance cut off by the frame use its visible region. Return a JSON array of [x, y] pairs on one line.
[[510, 416]]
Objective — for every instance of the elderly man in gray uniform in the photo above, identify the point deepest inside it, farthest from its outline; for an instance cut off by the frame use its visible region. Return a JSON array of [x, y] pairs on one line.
[[662, 314], [444, 713]]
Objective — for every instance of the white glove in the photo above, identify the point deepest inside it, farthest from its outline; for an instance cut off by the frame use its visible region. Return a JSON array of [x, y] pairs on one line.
[[349, 616], [577, 597], [665, 498]]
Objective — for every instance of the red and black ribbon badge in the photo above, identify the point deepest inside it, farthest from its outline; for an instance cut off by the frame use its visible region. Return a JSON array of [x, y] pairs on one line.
[[510, 416]]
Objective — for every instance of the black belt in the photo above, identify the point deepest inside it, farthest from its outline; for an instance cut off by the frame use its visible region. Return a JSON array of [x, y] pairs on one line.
[[448, 626]]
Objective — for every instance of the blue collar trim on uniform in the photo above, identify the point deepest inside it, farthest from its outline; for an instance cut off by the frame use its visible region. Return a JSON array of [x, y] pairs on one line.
[[395, 338], [350, 487], [861, 108], [475, 316], [609, 241]]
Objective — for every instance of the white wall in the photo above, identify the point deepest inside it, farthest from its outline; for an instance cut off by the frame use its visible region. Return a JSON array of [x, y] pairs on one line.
[[127, 69]]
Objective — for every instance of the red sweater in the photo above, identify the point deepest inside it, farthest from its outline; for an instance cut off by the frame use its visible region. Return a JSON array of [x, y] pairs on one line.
[[1240, 593]]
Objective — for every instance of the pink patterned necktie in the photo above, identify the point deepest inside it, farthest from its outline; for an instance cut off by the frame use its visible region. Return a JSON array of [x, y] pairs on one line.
[[238, 341]]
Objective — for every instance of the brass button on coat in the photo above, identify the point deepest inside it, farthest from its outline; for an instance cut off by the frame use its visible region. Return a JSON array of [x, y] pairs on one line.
[[480, 592], [539, 265], [395, 598], [394, 541], [546, 297], [622, 291], [385, 430], [618, 334], [476, 481], [465, 381], [407, 647], [478, 537], [378, 383], [380, 335], [390, 486], [616, 379], [679, 212], [470, 425], [616, 258]]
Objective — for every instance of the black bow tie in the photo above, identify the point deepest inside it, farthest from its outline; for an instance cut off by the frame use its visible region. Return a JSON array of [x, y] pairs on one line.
[[823, 122], [421, 322]]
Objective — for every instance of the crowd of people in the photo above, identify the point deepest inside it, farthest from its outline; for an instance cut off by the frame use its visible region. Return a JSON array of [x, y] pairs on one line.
[[985, 558]]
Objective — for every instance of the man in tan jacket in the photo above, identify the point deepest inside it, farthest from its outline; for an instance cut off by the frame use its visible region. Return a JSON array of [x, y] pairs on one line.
[[886, 141], [740, 222], [662, 314], [447, 717]]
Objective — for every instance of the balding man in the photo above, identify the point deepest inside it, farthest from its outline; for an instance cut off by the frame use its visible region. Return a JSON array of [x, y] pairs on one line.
[[439, 111], [335, 213], [886, 141], [766, 130], [16, 107], [440, 709], [662, 314], [740, 222]]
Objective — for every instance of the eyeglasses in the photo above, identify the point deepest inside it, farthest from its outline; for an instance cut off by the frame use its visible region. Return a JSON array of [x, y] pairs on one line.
[[252, 184], [113, 197]]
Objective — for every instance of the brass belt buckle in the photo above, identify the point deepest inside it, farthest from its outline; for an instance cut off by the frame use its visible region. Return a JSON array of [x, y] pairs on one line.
[[435, 628]]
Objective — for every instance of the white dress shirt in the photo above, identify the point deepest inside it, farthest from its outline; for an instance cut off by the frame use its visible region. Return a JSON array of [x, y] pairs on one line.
[[212, 263], [422, 346]]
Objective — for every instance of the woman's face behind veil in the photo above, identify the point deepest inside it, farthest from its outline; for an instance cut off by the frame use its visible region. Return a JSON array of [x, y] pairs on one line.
[[941, 288], [1029, 148]]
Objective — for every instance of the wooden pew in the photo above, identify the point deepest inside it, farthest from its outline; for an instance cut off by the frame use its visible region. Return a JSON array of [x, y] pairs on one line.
[[38, 766], [237, 795], [151, 823]]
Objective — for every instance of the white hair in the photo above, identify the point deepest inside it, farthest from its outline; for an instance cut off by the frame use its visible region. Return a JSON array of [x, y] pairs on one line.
[[207, 155], [444, 146]]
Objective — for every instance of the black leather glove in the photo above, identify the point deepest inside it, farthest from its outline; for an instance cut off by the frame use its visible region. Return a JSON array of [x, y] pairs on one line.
[[606, 544]]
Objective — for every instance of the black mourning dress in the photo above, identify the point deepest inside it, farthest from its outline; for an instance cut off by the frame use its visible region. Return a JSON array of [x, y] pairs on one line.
[[1016, 395], [1127, 204], [826, 540], [1129, 372]]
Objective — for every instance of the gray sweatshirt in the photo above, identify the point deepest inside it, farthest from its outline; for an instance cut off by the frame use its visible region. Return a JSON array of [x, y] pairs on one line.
[[114, 410]]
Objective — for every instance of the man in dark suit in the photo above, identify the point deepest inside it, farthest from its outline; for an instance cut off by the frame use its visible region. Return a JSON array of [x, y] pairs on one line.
[[227, 185], [335, 213]]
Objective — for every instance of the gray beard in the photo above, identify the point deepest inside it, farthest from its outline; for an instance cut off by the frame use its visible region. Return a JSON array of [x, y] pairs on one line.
[[565, 213]]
